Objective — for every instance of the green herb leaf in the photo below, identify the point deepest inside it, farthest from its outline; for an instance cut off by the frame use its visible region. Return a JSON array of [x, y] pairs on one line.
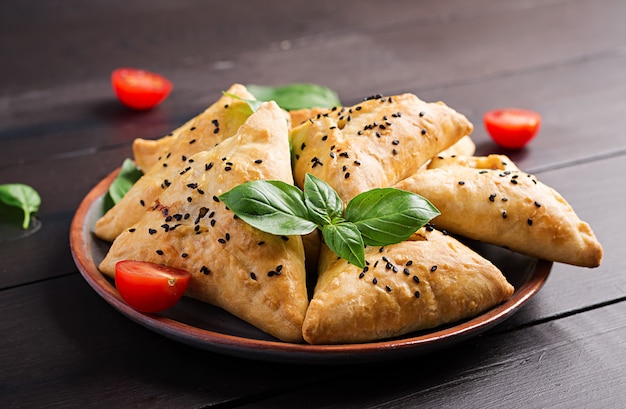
[[252, 103], [324, 204], [271, 206], [129, 174], [345, 240], [22, 196], [296, 96], [387, 216]]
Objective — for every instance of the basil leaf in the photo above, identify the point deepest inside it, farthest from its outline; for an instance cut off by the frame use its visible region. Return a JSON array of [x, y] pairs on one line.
[[296, 96], [126, 178], [387, 215], [324, 204], [345, 240], [253, 104], [271, 206], [22, 196]]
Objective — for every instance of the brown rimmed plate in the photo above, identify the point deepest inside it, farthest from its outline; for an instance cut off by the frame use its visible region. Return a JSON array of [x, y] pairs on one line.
[[210, 328]]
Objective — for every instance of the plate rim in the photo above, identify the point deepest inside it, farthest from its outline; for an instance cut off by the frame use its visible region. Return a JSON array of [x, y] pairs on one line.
[[279, 351]]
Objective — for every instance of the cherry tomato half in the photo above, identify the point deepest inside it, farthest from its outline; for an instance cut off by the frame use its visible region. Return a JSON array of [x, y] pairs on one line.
[[140, 89], [512, 128], [149, 287]]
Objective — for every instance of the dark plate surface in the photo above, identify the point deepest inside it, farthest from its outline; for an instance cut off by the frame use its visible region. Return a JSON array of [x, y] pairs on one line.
[[210, 328]]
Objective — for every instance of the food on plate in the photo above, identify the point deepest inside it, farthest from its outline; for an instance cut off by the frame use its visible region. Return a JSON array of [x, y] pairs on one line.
[[512, 128], [140, 89], [256, 276], [173, 216], [375, 143], [490, 200], [150, 287], [217, 123], [426, 281]]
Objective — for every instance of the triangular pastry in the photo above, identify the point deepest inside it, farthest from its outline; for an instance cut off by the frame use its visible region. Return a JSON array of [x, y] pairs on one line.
[[147, 152], [256, 276], [217, 123], [375, 143], [490, 200], [426, 281]]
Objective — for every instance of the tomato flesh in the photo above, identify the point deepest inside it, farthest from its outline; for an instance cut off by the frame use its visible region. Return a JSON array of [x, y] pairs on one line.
[[150, 287], [512, 128], [140, 89]]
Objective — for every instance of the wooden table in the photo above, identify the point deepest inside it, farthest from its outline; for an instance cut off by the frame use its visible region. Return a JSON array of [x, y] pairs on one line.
[[62, 131]]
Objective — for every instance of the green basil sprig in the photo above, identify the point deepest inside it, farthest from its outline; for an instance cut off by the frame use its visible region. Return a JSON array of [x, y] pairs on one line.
[[22, 196], [296, 95], [377, 217], [128, 175], [124, 181]]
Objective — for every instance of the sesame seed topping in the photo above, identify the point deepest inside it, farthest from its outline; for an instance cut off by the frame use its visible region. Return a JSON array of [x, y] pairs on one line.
[[159, 252]]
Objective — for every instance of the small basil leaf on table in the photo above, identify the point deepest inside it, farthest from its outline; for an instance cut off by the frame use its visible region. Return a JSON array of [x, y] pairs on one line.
[[22, 196], [323, 202], [296, 96], [387, 215], [344, 239], [272, 206]]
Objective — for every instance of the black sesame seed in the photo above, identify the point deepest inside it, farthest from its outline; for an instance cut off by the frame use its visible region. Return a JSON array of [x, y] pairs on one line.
[[261, 243], [184, 255], [132, 229], [395, 142], [433, 268], [258, 161], [424, 131], [221, 240], [416, 279], [406, 271], [141, 202], [417, 294], [216, 199], [375, 281], [253, 276], [537, 204], [159, 252], [504, 214], [461, 182], [192, 141], [151, 231], [530, 222], [388, 288]]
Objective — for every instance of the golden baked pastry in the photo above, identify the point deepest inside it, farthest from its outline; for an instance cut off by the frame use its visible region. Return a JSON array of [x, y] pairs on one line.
[[375, 143], [256, 276], [217, 123], [426, 281], [490, 200]]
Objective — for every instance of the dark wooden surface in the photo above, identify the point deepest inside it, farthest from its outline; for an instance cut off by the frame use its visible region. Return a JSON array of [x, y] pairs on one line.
[[61, 131]]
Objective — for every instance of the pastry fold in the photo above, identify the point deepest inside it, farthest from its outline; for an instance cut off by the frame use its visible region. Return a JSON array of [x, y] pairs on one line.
[[218, 122], [490, 200], [256, 276], [426, 281], [375, 143]]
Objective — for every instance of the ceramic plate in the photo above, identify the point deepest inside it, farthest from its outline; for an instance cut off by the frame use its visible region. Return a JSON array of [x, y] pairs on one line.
[[210, 328]]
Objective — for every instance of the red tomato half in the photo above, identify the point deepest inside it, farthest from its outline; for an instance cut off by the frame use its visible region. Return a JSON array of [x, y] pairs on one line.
[[512, 128], [149, 287], [140, 89]]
